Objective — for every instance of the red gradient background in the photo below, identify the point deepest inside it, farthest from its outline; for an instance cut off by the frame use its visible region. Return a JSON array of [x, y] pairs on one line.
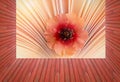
[[58, 70]]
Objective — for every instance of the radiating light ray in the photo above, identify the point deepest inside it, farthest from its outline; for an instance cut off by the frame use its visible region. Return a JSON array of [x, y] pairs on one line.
[[31, 23]]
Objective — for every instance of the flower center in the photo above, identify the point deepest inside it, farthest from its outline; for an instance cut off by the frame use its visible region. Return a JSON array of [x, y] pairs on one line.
[[66, 34]]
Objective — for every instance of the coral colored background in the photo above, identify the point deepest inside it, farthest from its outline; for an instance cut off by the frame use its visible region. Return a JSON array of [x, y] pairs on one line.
[[59, 70]]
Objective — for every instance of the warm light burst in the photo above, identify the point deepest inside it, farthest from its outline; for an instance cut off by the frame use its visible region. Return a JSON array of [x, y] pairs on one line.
[[31, 24]]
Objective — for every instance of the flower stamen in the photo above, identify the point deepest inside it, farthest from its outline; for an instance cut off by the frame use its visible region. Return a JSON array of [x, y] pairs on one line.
[[65, 34]]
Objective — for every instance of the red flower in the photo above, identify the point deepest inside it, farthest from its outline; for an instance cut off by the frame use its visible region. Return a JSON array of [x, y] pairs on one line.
[[65, 34]]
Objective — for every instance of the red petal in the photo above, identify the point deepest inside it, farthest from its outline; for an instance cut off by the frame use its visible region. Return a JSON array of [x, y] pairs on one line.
[[83, 35], [59, 48]]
